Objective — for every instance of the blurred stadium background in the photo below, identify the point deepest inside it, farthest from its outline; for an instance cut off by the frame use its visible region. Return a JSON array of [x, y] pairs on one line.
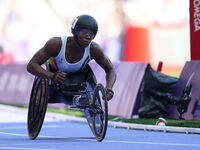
[[129, 30]]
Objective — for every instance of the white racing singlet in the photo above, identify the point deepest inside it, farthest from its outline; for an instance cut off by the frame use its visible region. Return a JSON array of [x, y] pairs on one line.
[[60, 63]]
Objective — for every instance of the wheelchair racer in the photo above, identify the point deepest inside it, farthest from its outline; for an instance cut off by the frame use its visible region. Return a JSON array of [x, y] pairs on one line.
[[73, 53]]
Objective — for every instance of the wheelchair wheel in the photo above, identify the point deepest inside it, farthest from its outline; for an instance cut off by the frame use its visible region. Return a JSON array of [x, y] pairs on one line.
[[37, 107], [87, 110], [100, 117]]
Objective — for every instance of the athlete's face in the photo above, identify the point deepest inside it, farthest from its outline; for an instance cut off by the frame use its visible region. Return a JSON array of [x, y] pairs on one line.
[[85, 36]]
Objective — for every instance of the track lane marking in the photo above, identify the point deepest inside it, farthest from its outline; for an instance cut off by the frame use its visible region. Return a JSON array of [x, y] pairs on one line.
[[20, 148], [23, 127], [93, 140], [153, 143]]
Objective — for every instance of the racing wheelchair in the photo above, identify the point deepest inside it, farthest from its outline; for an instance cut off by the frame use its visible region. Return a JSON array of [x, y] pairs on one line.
[[79, 90]]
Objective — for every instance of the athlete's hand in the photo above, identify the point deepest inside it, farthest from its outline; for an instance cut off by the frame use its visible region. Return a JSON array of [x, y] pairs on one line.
[[58, 77], [109, 94]]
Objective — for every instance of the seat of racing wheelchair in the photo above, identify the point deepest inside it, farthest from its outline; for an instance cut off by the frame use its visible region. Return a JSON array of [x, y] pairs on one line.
[[74, 84]]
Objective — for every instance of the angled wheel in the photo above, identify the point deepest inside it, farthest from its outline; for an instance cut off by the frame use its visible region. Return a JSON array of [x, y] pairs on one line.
[[100, 115], [87, 110], [37, 107]]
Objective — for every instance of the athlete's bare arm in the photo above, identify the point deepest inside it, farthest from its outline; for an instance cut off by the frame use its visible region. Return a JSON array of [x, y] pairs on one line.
[[50, 49], [98, 55]]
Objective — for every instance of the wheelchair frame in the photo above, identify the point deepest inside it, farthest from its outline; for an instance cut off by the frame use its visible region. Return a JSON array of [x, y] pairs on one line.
[[88, 96]]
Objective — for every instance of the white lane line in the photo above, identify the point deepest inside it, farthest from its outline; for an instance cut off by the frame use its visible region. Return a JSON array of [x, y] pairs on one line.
[[21, 148], [105, 141], [24, 127], [43, 136], [153, 143], [51, 143], [93, 140], [19, 127], [16, 134]]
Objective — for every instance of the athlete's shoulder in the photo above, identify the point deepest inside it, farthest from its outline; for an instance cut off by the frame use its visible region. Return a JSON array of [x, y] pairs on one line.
[[96, 50], [54, 41], [53, 45], [95, 46]]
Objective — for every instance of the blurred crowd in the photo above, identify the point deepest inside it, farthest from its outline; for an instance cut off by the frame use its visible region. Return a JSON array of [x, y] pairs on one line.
[[26, 25], [5, 58]]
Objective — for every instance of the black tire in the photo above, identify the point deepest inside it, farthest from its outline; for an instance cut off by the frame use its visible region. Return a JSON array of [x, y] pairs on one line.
[[37, 107], [100, 117]]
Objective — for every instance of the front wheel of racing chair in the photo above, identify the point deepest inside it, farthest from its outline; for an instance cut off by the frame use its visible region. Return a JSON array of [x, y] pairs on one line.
[[37, 106], [100, 116], [97, 111]]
